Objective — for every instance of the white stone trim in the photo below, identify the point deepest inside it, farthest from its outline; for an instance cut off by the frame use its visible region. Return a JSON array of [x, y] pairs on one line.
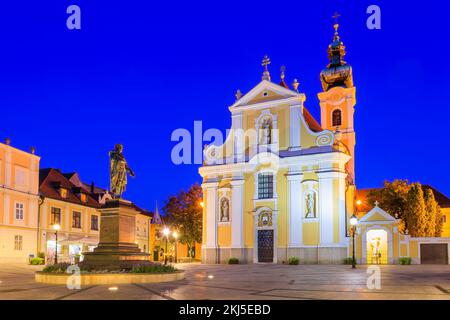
[[295, 113], [237, 213], [295, 208], [242, 103]]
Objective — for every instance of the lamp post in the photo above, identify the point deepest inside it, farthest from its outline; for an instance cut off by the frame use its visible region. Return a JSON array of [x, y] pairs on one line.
[[175, 236], [56, 227], [353, 222], [166, 232]]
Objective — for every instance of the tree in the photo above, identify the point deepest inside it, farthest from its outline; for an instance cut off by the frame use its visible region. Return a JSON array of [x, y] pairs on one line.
[[392, 197], [434, 214], [184, 213], [431, 210], [414, 215]]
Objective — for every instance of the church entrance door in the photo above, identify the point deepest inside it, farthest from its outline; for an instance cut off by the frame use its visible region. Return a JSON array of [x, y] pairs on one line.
[[265, 245]]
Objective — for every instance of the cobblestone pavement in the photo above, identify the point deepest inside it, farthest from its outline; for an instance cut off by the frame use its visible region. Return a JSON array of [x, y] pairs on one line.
[[248, 282]]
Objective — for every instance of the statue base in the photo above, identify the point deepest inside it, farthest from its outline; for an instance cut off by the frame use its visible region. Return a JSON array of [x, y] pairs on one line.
[[117, 249]]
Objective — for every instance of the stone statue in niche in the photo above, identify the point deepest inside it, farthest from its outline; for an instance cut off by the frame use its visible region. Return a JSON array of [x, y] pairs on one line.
[[310, 205], [224, 210], [266, 131]]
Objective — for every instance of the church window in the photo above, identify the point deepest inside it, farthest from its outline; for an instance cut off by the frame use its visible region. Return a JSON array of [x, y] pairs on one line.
[[337, 117], [265, 185]]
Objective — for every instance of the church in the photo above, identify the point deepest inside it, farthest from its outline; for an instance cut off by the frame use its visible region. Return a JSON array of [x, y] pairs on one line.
[[283, 184]]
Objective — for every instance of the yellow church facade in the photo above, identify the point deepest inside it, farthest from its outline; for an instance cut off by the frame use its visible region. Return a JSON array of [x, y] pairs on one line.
[[282, 185]]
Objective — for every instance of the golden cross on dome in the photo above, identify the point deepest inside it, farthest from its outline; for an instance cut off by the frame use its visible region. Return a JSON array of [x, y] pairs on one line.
[[336, 16], [282, 69], [265, 62]]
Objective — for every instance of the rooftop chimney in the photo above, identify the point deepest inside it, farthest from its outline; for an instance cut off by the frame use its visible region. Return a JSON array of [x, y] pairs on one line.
[[8, 141]]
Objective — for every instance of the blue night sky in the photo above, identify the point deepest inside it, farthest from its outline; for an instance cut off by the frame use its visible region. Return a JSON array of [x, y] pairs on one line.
[[138, 70]]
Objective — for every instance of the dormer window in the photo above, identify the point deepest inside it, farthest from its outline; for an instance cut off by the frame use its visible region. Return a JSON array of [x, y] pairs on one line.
[[63, 192], [83, 197]]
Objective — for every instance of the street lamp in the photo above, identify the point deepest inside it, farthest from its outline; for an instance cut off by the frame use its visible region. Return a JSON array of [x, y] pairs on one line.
[[175, 236], [56, 227], [353, 222], [166, 232]]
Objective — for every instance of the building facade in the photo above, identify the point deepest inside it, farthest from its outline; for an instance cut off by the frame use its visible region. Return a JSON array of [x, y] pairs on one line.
[[73, 206], [282, 185], [19, 200]]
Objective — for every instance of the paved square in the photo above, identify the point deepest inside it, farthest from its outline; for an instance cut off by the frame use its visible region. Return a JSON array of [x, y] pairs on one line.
[[248, 282]]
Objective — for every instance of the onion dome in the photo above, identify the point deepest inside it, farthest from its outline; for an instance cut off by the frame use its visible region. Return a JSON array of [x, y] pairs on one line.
[[337, 73]]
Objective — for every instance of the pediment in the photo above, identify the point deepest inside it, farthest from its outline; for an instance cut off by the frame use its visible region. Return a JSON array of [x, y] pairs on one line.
[[377, 214], [265, 91]]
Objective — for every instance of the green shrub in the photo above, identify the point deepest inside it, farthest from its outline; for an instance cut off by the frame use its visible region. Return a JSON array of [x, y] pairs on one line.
[[233, 261], [41, 255], [153, 268], [348, 260], [56, 268], [293, 260], [36, 261], [404, 260]]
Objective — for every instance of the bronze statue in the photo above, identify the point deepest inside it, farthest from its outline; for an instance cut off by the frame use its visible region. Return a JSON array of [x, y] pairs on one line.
[[118, 169]]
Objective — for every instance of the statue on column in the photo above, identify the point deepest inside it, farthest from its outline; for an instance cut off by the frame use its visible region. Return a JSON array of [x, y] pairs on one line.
[[119, 170]]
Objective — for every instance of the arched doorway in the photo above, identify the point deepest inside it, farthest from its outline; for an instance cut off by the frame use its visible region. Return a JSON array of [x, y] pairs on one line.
[[377, 246]]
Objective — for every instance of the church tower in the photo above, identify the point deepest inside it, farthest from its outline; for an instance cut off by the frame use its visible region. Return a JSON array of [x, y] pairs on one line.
[[338, 99], [337, 108]]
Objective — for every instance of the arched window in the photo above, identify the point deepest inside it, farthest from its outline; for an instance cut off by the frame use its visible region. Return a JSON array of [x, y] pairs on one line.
[[337, 117]]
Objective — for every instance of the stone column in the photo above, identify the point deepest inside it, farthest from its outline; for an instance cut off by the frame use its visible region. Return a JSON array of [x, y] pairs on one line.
[[210, 248], [238, 136], [237, 218], [326, 207], [342, 208], [294, 129], [295, 209]]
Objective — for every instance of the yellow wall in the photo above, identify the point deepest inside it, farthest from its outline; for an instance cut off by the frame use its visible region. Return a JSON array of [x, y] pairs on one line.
[[446, 225], [19, 184]]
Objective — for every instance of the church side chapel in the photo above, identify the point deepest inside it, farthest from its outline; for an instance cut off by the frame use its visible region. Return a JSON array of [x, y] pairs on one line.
[[282, 184]]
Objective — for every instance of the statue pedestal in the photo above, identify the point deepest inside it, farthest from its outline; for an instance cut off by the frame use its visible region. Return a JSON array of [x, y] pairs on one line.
[[117, 248]]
